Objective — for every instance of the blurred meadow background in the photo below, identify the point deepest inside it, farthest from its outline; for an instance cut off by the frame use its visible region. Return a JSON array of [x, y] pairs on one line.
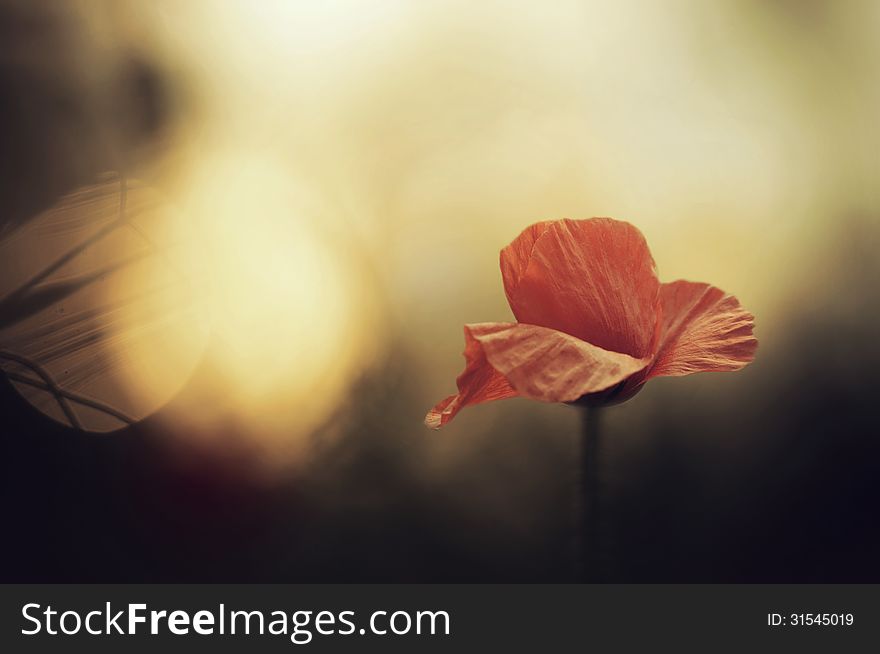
[[340, 177]]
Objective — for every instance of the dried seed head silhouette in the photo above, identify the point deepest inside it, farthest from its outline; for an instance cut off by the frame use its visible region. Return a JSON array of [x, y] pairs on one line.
[[87, 299], [594, 322]]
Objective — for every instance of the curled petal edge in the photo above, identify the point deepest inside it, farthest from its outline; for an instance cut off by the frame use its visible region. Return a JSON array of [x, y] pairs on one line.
[[702, 329], [515, 359]]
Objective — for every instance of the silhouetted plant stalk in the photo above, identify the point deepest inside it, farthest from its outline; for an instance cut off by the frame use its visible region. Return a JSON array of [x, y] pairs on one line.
[[589, 507], [36, 295]]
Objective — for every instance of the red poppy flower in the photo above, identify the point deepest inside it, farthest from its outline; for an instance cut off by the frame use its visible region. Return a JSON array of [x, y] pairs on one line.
[[594, 322]]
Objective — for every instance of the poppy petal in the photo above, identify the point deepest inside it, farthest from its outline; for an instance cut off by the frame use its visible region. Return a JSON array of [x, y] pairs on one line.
[[703, 329], [593, 279], [479, 383], [516, 256], [549, 365], [509, 359]]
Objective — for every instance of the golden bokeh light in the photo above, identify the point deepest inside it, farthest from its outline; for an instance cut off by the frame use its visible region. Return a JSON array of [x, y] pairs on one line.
[[292, 322], [346, 172], [101, 327]]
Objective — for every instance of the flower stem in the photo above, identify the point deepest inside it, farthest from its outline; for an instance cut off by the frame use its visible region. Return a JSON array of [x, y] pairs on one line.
[[590, 510]]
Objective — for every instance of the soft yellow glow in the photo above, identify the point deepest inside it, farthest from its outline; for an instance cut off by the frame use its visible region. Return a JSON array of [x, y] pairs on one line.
[[435, 131], [159, 330], [291, 321], [308, 28], [122, 332]]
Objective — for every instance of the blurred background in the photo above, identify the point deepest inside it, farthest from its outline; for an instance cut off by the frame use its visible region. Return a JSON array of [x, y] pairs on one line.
[[333, 182]]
